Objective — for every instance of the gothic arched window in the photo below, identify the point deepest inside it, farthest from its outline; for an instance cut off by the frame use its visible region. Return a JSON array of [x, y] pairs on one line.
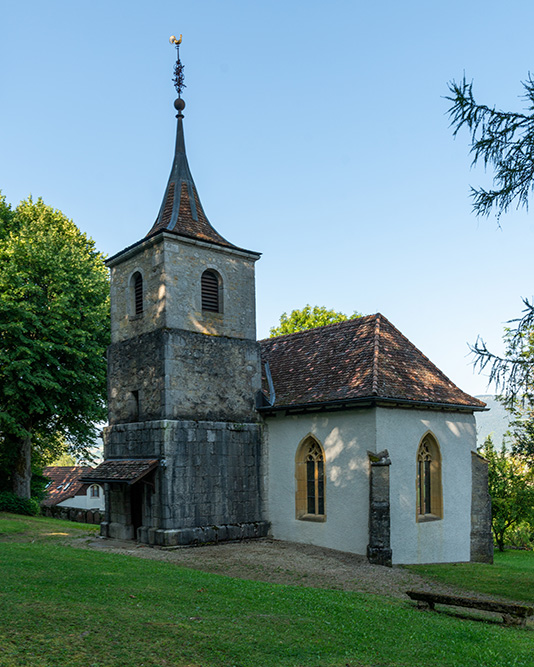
[[210, 291], [429, 492], [311, 481]]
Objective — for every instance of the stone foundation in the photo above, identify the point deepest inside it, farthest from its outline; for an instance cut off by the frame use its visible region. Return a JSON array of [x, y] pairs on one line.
[[208, 486], [203, 534]]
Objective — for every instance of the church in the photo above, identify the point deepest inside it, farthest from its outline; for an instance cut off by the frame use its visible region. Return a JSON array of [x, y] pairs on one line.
[[344, 436]]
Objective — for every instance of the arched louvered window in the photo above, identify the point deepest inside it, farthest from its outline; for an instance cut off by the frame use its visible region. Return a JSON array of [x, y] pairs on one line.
[[210, 288], [429, 492], [137, 281], [311, 481]]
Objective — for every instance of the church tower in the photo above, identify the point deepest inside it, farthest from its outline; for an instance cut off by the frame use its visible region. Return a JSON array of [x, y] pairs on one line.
[[183, 447]]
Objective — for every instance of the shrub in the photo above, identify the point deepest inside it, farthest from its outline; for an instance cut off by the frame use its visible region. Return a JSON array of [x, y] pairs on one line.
[[9, 502], [521, 537]]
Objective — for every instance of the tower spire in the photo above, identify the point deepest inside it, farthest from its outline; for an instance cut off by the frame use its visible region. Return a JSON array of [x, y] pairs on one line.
[[181, 211]]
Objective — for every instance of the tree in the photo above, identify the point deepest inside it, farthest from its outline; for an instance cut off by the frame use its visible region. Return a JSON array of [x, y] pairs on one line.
[[513, 372], [503, 140], [522, 431], [308, 318], [54, 330], [511, 487]]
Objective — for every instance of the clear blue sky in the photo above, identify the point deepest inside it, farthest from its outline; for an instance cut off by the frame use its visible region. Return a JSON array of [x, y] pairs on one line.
[[316, 132]]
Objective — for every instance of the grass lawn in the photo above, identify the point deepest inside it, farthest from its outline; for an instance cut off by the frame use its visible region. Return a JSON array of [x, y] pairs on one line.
[[511, 576], [65, 606]]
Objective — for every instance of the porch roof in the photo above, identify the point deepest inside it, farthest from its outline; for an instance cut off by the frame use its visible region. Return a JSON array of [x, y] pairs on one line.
[[121, 471]]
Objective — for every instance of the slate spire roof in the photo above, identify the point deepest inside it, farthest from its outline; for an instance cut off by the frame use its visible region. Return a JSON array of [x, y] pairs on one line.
[[362, 359]]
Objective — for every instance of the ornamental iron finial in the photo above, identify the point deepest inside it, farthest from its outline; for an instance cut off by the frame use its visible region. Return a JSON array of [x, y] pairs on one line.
[[178, 78]]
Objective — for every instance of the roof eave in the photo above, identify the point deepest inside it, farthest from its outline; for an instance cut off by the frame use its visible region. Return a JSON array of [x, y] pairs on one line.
[[161, 234], [370, 401], [121, 480]]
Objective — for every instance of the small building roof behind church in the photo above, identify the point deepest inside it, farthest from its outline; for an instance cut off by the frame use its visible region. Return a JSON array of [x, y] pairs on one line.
[[64, 483], [353, 361]]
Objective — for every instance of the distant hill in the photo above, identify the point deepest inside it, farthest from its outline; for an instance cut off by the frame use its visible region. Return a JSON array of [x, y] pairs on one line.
[[494, 422]]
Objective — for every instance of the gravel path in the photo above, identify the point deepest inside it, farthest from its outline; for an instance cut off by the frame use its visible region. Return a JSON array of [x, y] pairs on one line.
[[282, 563]]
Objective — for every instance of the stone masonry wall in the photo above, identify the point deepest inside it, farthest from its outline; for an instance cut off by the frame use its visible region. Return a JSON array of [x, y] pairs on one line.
[[211, 377], [379, 547], [183, 375], [210, 477], [171, 268], [481, 536], [138, 365], [148, 260]]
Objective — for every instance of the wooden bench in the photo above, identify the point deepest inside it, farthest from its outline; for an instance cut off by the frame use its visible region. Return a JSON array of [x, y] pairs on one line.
[[512, 614]]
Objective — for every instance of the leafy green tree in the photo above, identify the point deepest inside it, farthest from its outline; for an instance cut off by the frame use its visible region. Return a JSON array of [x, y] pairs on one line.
[[308, 318], [511, 487], [522, 429], [54, 330], [65, 459]]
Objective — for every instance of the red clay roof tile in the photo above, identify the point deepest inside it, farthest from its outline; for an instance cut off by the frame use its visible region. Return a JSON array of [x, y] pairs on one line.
[[358, 359], [181, 212], [64, 483], [121, 470]]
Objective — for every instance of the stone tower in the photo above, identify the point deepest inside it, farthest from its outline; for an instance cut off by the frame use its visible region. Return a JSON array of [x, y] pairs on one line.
[[182, 451]]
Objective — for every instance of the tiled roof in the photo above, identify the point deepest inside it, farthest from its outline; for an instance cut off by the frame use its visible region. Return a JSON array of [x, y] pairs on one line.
[[364, 358], [181, 211], [64, 483], [121, 470]]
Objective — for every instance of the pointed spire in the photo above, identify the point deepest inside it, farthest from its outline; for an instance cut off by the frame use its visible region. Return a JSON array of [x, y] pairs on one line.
[[181, 211]]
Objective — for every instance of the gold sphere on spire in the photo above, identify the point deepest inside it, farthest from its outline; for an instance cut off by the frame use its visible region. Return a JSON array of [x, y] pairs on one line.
[[173, 40]]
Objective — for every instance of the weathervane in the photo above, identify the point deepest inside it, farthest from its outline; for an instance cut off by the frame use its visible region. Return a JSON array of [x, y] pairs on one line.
[[178, 78]]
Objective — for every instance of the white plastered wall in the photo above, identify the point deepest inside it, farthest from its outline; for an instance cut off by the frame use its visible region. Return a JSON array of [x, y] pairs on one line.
[[345, 437], [400, 432], [85, 501]]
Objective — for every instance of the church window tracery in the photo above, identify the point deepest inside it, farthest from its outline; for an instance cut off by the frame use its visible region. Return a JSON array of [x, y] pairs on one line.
[[310, 476], [429, 490]]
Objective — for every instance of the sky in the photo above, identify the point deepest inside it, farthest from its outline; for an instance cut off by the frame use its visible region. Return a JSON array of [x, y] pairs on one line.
[[317, 134]]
